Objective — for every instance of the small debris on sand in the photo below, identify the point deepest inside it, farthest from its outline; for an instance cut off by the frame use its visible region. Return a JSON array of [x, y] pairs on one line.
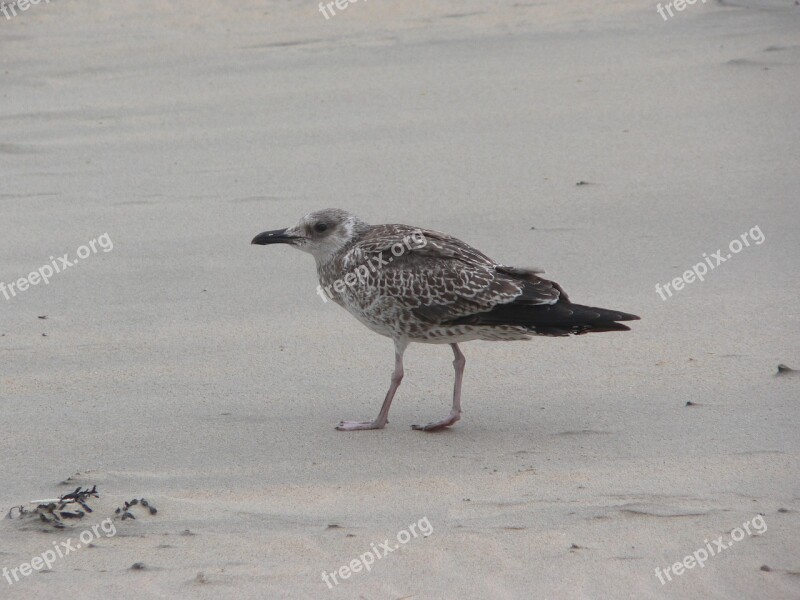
[[153, 510], [52, 511], [125, 513]]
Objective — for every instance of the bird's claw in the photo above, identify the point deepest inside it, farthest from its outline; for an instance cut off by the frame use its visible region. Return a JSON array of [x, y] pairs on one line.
[[439, 425], [359, 425]]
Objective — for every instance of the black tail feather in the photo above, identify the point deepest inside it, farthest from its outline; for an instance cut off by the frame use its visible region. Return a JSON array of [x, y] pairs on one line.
[[561, 318]]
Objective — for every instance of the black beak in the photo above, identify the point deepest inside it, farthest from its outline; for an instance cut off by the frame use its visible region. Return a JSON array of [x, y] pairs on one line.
[[279, 236]]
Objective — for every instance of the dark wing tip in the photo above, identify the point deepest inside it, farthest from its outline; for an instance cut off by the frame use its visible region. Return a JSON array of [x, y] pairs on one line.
[[627, 317]]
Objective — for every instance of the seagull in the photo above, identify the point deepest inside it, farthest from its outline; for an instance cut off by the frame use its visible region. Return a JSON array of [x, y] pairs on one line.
[[417, 285]]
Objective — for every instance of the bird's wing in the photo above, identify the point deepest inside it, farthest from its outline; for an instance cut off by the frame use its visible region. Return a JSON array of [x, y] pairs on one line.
[[422, 242], [440, 278]]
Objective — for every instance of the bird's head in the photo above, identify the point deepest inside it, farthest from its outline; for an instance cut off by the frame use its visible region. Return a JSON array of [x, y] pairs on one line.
[[322, 233]]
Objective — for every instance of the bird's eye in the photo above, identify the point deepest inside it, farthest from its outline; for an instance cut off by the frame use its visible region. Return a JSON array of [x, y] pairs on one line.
[[320, 227]]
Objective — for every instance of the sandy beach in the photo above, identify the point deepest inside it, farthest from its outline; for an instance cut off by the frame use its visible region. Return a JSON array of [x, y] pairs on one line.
[[146, 143]]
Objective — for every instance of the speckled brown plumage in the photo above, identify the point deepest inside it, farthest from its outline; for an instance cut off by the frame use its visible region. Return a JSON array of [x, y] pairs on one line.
[[418, 285]]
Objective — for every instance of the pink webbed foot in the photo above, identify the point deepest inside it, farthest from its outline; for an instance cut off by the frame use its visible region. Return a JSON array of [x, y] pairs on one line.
[[360, 425], [439, 425]]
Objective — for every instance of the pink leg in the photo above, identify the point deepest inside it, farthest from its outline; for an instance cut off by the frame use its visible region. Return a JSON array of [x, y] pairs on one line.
[[455, 413], [383, 416]]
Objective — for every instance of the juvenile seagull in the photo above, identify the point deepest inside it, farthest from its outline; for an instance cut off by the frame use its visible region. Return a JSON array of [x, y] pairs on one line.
[[417, 285]]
